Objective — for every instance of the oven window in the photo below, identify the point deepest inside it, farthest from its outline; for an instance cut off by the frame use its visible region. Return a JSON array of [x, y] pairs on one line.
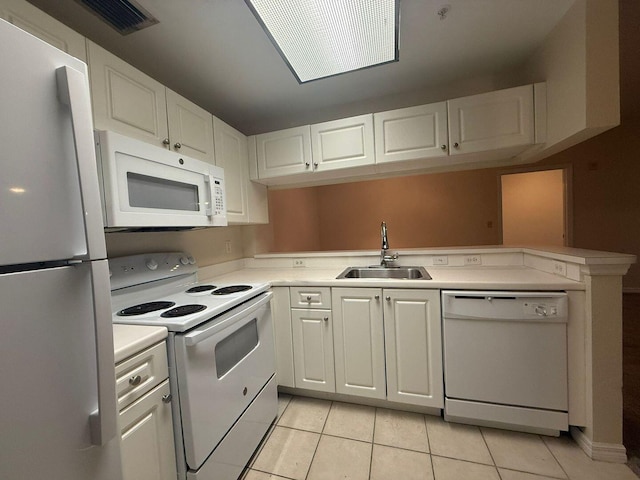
[[231, 350], [154, 192]]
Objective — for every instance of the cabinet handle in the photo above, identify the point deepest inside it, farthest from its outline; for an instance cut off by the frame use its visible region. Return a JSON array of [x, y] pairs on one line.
[[388, 298], [443, 147], [166, 398], [135, 380], [166, 141], [456, 145], [307, 164], [326, 319], [244, 391], [309, 298], [377, 297], [177, 145], [315, 165]]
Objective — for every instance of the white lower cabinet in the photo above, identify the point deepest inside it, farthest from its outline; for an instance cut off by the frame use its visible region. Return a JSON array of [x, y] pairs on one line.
[[413, 347], [358, 340], [145, 420], [313, 349]]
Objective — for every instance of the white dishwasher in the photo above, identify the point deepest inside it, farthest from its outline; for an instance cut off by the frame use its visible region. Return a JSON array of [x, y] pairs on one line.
[[505, 359]]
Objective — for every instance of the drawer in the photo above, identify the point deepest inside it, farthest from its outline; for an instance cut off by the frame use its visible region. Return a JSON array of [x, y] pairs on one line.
[[310, 297], [140, 373]]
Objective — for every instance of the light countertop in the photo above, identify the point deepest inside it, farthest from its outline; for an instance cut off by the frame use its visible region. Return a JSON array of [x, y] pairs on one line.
[[131, 339]]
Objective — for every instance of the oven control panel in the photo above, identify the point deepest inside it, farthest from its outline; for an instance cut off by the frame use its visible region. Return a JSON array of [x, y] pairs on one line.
[[139, 269]]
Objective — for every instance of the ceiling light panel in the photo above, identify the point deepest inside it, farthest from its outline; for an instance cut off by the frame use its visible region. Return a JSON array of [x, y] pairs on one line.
[[321, 38]]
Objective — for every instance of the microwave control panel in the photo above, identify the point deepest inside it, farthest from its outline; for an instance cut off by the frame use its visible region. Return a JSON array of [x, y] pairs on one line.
[[218, 198]]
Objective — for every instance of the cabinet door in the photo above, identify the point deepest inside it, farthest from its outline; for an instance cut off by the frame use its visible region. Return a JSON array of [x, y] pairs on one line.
[[232, 155], [284, 152], [359, 342], [313, 349], [413, 342], [147, 438], [491, 121], [411, 133], [343, 143], [33, 20], [125, 100], [190, 128]]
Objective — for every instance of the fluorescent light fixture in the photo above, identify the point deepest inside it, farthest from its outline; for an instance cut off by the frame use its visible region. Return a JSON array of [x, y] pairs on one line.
[[321, 38]]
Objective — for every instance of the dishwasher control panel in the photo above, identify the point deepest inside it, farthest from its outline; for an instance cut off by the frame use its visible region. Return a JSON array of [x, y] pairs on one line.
[[540, 309]]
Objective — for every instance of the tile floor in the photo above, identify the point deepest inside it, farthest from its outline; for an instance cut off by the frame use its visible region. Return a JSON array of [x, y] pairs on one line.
[[318, 439]]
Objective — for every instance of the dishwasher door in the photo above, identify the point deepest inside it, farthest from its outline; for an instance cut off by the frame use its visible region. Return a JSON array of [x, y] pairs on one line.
[[506, 348]]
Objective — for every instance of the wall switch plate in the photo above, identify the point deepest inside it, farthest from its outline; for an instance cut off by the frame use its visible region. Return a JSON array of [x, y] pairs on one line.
[[440, 260], [560, 268], [227, 246], [298, 262], [473, 260]]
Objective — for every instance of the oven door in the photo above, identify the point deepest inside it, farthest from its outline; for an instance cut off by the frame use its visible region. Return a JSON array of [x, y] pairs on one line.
[[148, 186], [221, 367]]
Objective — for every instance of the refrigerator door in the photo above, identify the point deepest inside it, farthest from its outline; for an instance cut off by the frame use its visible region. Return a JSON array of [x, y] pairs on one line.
[[48, 374], [49, 196]]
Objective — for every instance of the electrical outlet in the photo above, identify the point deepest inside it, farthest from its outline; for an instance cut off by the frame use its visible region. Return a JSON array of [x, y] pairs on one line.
[[227, 246], [560, 268], [298, 262], [440, 260], [473, 260]]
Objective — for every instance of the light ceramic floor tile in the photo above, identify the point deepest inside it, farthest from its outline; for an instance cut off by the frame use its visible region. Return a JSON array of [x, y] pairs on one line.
[[351, 421], [396, 463], [513, 475], [580, 467], [283, 402], [287, 453], [450, 469], [305, 414], [521, 451], [256, 475], [401, 429], [340, 458], [454, 440]]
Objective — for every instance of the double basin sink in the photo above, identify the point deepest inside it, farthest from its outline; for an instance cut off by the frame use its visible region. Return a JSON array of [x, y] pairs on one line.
[[395, 273]]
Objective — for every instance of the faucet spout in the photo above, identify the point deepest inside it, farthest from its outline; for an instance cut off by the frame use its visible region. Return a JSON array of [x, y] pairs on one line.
[[383, 233], [385, 259]]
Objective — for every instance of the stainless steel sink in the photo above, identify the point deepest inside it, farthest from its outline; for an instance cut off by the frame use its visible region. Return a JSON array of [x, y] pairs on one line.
[[402, 273]]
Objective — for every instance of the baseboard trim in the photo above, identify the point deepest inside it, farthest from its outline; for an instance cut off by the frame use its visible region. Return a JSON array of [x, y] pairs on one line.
[[604, 452]]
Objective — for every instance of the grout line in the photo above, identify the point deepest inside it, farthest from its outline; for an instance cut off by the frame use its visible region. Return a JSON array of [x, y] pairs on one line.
[[373, 436], [554, 457], [318, 444], [486, 444], [426, 428]]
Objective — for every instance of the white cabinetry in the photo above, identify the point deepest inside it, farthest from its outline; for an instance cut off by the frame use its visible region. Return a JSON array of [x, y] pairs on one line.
[[281, 314], [127, 101], [411, 133], [358, 337], [312, 332], [145, 419], [285, 152], [491, 121], [413, 341], [33, 20], [343, 143]]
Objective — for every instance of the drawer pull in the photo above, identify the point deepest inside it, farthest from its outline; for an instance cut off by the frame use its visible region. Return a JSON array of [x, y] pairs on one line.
[[309, 298], [166, 398], [244, 391], [135, 380]]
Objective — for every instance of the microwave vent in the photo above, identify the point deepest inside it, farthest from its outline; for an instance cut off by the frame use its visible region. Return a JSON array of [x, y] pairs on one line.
[[126, 16]]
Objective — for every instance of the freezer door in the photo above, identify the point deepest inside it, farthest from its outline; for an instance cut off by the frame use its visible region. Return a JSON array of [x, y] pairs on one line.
[[49, 196], [49, 377]]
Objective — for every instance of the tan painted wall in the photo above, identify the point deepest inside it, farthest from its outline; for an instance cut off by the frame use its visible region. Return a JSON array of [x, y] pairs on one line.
[[530, 213]]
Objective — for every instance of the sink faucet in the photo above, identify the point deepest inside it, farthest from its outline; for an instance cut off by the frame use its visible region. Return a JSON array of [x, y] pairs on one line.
[[385, 259]]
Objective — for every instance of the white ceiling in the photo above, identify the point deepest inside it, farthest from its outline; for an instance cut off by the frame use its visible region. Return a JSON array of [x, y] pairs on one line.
[[215, 53]]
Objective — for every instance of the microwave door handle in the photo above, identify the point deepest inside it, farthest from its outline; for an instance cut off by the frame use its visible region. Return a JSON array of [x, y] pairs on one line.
[[74, 92], [208, 180]]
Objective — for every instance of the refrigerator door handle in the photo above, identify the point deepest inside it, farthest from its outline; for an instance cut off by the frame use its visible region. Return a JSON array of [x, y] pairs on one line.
[[103, 422], [73, 91]]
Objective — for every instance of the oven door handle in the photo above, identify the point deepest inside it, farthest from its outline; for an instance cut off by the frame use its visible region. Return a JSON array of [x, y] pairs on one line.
[[199, 334]]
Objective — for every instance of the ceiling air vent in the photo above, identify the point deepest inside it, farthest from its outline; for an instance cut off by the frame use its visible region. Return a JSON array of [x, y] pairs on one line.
[[125, 16]]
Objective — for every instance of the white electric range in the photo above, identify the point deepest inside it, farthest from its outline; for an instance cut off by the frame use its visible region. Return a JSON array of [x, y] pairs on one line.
[[221, 357]]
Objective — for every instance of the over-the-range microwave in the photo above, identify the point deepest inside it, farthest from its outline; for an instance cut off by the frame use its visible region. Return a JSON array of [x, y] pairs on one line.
[[147, 187]]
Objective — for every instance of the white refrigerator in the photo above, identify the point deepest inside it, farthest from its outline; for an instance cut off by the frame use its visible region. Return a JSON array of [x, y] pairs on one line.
[[58, 416]]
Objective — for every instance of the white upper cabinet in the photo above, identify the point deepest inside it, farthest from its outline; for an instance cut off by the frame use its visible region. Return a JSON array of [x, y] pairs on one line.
[[129, 102], [232, 155], [491, 121], [125, 100], [343, 143], [411, 133], [284, 152], [190, 128], [34, 21]]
